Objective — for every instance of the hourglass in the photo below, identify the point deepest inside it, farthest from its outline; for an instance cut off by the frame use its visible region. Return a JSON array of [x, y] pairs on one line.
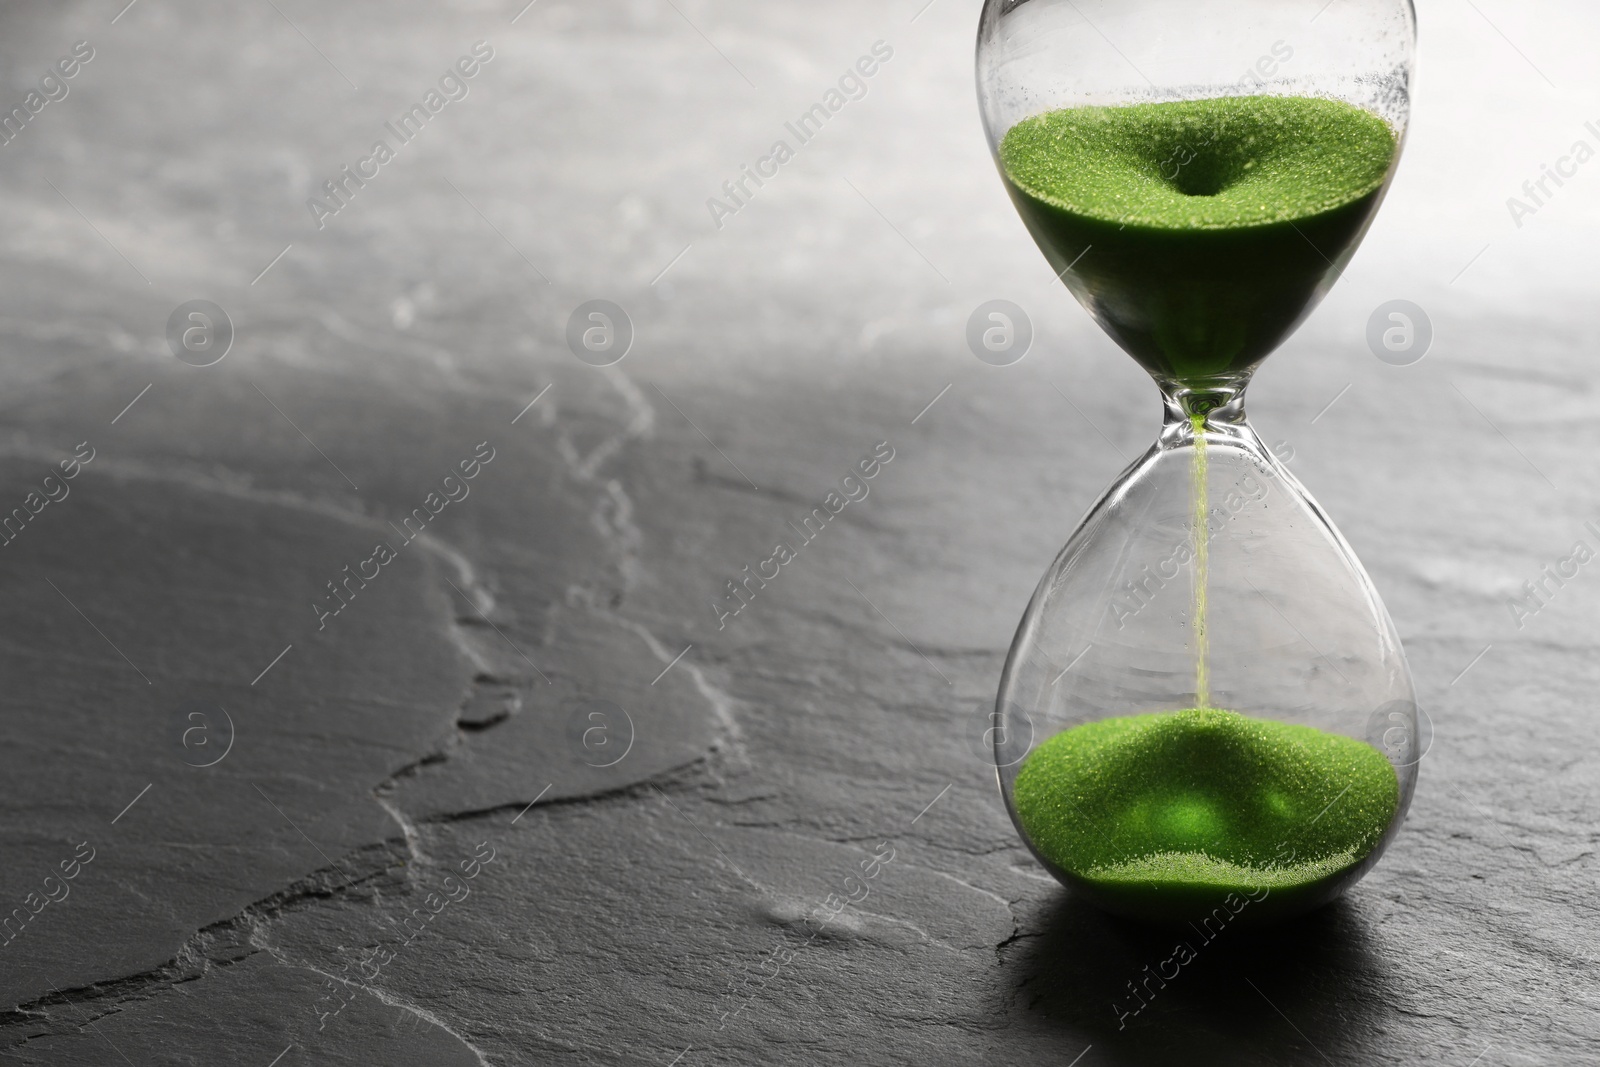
[[1206, 715]]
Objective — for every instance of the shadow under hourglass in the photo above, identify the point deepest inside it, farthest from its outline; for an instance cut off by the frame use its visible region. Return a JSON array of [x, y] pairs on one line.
[[1307, 991]]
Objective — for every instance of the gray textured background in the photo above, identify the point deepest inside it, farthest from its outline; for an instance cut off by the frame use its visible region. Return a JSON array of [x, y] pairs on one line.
[[633, 915]]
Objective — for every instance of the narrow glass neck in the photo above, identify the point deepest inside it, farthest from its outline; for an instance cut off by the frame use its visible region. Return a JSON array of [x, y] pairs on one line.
[[1213, 410]]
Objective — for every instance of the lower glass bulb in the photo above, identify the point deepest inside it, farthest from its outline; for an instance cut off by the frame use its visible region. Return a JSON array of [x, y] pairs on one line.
[[1206, 705]]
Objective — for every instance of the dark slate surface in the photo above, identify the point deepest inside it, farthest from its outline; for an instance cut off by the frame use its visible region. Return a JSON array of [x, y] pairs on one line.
[[307, 895]]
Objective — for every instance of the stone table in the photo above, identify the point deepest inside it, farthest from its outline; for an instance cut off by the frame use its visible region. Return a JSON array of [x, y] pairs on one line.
[[371, 681]]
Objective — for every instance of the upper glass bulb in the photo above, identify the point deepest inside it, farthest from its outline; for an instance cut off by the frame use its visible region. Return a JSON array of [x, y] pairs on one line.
[[1197, 171]]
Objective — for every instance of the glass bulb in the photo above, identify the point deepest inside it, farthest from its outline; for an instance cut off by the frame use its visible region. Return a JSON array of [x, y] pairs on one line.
[[1206, 713]]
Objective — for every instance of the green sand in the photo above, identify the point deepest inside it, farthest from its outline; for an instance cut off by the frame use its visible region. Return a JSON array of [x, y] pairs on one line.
[[1201, 493], [1163, 815], [1199, 232]]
